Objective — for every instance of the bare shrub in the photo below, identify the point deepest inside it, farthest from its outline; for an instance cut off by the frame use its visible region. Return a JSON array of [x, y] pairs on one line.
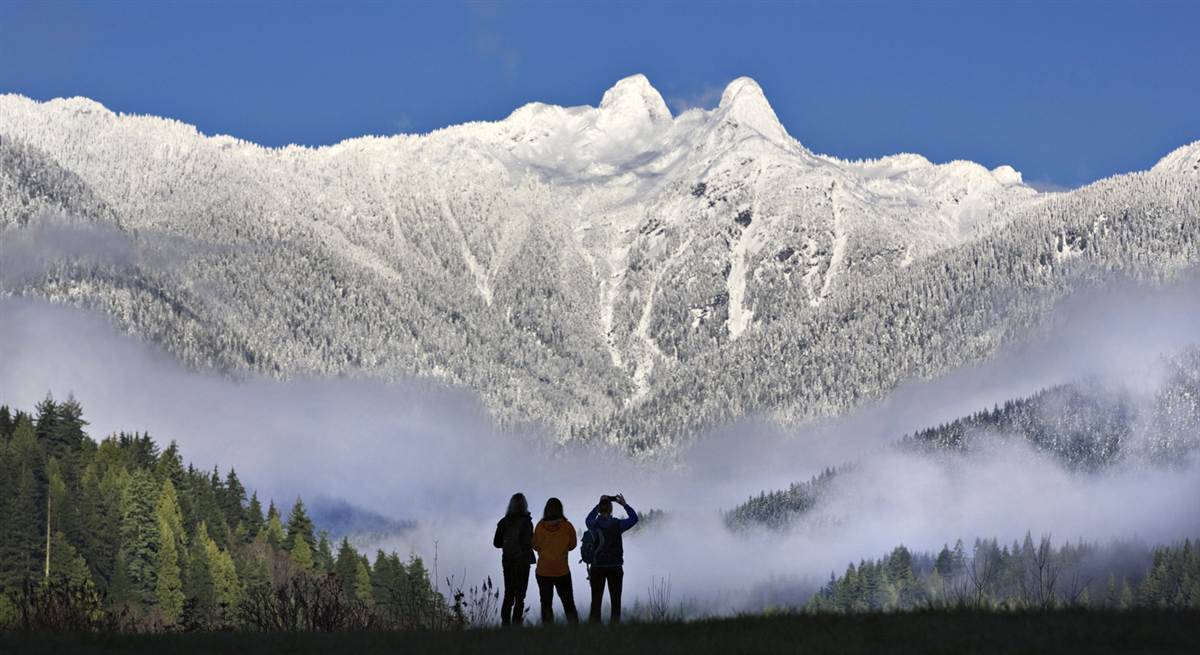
[[305, 603]]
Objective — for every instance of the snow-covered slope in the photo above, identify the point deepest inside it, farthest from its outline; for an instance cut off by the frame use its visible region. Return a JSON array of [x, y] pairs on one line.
[[564, 261]]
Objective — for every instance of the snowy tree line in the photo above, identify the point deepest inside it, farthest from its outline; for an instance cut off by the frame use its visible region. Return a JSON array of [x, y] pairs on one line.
[[950, 309], [604, 315]]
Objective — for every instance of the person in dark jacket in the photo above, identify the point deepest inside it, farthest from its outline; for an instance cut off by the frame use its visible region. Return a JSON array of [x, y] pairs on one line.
[[609, 566], [514, 538]]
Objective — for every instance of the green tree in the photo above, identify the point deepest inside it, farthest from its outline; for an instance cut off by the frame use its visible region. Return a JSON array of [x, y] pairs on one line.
[[226, 586], [7, 423], [362, 581], [299, 526], [302, 555], [254, 518], [100, 514], [273, 530], [67, 565], [140, 536], [169, 576], [233, 499], [389, 586], [22, 542], [345, 569], [200, 590], [323, 559]]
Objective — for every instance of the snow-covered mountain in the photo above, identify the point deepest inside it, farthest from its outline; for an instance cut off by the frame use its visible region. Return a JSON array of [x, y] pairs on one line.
[[615, 270]]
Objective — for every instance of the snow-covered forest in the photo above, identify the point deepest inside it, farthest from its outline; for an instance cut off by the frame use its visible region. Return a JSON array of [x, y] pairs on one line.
[[619, 273], [1088, 426]]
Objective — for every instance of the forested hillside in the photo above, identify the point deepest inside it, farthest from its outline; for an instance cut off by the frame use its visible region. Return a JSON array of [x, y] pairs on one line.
[[121, 534], [1020, 576], [1087, 426]]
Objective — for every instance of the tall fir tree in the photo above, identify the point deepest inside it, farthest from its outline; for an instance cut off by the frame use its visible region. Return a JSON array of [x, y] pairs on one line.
[[273, 530], [7, 423], [345, 569], [140, 536], [300, 526], [200, 590], [168, 588], [22, 544], [233, 499], [323, 559], [254, 518], [362, 581]]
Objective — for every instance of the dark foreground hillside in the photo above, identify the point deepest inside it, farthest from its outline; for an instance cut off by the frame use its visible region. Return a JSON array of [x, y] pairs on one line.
[[1093, 632]]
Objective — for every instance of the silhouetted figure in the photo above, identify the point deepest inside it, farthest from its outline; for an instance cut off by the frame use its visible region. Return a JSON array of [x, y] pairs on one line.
[[553, 538], [608, 562], [514, 538]]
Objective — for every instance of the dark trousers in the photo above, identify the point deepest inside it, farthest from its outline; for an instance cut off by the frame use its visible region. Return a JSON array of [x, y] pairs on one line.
[[516, 583], [566, 593], [598, 577]]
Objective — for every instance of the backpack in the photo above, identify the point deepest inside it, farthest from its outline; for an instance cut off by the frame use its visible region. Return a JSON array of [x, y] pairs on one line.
[[592, 543]]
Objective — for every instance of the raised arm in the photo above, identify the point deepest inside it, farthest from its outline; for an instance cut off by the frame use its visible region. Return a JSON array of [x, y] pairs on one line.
[[630, 519], [590, 521]]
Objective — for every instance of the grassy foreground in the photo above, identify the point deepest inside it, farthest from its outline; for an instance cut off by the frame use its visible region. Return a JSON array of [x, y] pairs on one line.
[[1093, 632]]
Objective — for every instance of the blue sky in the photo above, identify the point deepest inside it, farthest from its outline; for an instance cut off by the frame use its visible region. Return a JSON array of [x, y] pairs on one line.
[[1066, 92]]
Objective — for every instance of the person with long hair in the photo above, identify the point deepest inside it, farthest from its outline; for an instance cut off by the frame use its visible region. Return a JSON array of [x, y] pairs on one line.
[[553, 538], [514, 538]]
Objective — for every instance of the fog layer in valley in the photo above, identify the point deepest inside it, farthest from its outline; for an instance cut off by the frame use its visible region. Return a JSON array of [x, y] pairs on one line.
[[416, 452]]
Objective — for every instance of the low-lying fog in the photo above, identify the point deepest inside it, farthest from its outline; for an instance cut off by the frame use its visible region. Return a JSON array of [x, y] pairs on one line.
[[411, 451]]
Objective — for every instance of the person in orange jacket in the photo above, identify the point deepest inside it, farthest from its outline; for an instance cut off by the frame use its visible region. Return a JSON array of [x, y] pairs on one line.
[[553, 538]]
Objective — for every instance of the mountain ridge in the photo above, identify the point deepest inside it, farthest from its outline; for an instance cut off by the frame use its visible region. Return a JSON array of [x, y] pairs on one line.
[[564, 262]]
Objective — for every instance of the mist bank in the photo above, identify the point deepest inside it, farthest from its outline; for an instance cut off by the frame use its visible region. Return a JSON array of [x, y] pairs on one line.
[[418, 452]]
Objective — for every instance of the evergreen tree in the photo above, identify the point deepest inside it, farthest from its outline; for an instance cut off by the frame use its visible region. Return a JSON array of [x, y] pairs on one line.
[[323, 558], [302, 555], [346, 567], [362, 582], [121, 595], [389, 584], [140, 536], [46, 416], [67, 433], [233, 499], [101, 512], [67, 565], [170, 465], [299, 526], [7, 423], [424, 601], [169, 576], [226, 586], [22, 542], [1126, 597], [254, 518], [200, 590], [273, 530]]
